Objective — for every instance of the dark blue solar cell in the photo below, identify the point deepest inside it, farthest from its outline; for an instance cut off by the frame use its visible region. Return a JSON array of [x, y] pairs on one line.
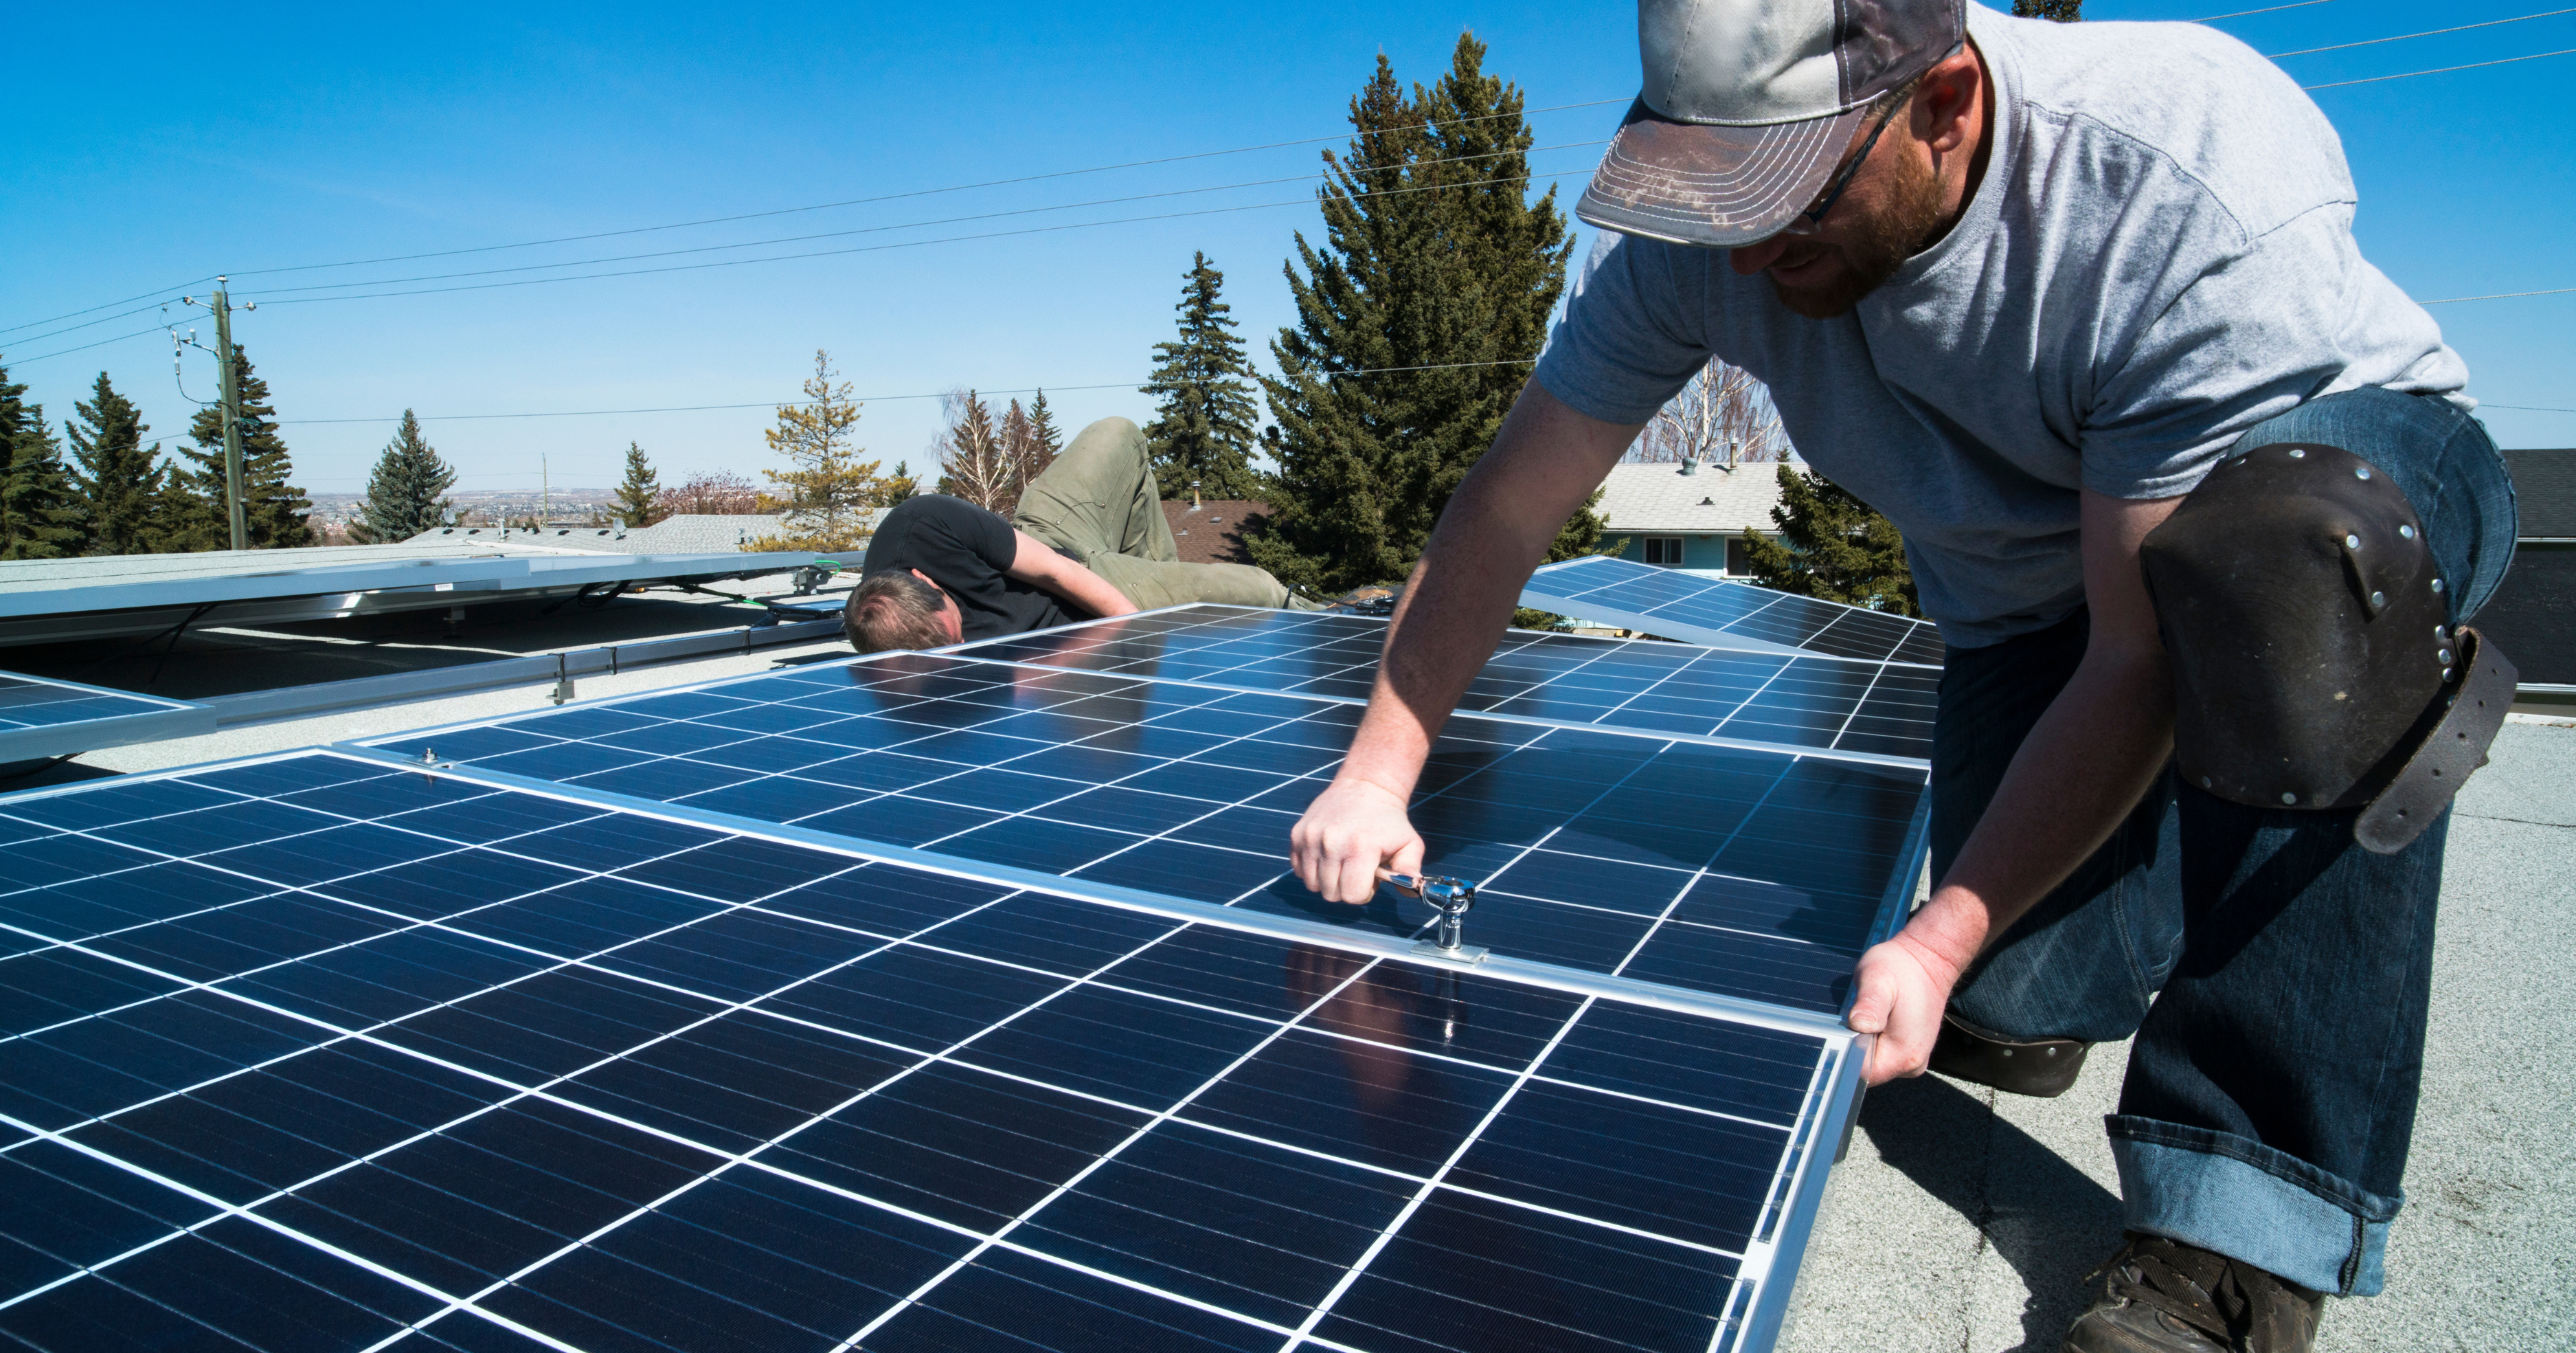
[[449, 884], [1471, 1273], [880, 771], [119, 803], [50, 986], [1206, 780], [318, 857], [684, 704], [610, 842], [549, 1025], [586, 915], [1071, 938], [1037, 843], [477, 1203], [1091, 765], [739, 955], [385, 978], [1007, 1301], [386, 795], [1181, 869], [562, 761], [1757, 967], [662, 780], [770, 755], [472, 744], [235, 1285], [589, 721], [1259, 831], [1133, 1049], [913, 997], [739, 868], [492, 818], [62, 1211], [288, 774], [776, 798], [92, 906], [1002, 791], [1672, 1172], [899, 820], [746, 1261], [1610, 884], [1363, 1101], [45, 860], [462, 1331], [669, 739], [1234, 1223], [967, 1147], [1725, 1068], [1128, 810], [212, 944], [1443, 1011], [885, 899], [1577, 937], [93, 1066], [736, 1082], [245, 1137]]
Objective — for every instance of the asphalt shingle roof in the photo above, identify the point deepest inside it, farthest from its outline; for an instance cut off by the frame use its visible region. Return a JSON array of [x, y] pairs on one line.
[[1711, 501]]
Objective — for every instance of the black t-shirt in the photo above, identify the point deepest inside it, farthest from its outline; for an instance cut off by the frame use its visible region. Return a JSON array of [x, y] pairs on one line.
[[965, 550]]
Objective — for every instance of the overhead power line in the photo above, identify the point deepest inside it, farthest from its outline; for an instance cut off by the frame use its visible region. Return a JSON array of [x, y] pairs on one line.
[[62, 352], [868, 399], [900, 225], [2499, 296], [2273, 9], [2442, 70], [2524, 408], [878, 248], [2427, 33], [894, 197]]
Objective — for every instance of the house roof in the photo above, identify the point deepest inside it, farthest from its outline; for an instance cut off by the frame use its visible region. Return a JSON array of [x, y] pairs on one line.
[[2544, 485], [1710, 501], [1212, 532]]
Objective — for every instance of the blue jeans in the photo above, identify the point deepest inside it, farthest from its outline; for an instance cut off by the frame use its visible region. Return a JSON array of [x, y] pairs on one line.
[[2274, 973]]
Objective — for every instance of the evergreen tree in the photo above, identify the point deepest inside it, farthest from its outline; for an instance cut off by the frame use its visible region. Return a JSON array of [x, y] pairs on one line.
[[1202, 430], [275, 514], [2063, 11], [406, 493], [1043, 432], [123, 486], [39, 510], [1837, 548], [829, 489], [1418, 321], [635, 497]]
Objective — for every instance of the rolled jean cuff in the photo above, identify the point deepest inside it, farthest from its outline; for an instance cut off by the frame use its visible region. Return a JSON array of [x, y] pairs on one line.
[[2251, 1203]]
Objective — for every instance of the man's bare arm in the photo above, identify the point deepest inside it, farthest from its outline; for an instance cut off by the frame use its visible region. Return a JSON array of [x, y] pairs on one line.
[[2080, 771], [1497, 528], [1034, 563]]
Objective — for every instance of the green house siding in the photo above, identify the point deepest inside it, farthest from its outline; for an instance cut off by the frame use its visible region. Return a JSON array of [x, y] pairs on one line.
[[1697, 551]]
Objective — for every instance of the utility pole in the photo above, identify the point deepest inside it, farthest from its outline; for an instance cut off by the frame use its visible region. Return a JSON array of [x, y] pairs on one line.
[[545, 488], [228, 371]]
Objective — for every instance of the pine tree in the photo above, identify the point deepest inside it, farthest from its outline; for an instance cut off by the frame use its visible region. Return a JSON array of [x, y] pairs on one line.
[[1202, 433], [1043, 432], [829, 490], [39, 511], [123, 486], [275, 514], [1437, 277], [405, 494], [1837, 548], [2062, 11], [636, 497]]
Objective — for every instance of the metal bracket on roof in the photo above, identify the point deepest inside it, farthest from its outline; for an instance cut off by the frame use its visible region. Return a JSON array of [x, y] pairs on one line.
[[563, 678], [1451, 898]]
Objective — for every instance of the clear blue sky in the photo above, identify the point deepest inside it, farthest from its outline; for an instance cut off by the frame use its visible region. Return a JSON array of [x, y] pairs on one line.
[[151, 147]]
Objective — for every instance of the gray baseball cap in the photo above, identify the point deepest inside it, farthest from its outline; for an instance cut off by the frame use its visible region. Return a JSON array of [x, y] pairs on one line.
[[1748, 106]]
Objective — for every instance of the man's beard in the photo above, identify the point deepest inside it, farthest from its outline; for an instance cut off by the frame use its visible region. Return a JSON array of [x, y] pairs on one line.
[[1881, 243]]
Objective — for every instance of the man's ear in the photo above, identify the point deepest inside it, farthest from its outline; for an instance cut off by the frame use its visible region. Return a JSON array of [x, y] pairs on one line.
[[1945, 103]]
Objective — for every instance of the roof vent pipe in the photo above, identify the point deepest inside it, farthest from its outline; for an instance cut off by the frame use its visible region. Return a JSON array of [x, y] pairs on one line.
[[1690, 465]]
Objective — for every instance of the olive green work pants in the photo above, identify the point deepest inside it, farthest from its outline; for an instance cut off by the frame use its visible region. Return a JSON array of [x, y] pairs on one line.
[[1098, 504]]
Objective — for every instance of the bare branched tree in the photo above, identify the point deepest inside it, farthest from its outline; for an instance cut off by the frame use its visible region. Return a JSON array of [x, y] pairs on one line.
[[1723, 417], [720, 492], [977, 465]]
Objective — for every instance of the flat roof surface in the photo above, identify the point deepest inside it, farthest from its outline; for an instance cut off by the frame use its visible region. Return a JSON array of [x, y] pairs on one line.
[[1964, 1217]]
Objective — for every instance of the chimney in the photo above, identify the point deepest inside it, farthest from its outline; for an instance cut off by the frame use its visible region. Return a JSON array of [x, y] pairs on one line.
[[1194, 495]]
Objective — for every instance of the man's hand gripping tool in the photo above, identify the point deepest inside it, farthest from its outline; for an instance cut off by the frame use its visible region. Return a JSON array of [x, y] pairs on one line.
[[1451, 898]]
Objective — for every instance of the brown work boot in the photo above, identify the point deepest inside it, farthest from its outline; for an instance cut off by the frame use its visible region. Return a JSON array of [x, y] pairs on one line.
[[2163, 1296]]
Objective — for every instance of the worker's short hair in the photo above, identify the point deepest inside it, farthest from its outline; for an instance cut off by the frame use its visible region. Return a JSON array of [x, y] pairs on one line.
[[894, 609]]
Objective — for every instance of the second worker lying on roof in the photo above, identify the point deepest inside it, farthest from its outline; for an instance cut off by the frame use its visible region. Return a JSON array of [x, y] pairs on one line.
[[1089, 539]]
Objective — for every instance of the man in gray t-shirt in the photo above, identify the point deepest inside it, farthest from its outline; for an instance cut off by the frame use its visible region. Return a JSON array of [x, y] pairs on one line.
[[2023, 287]]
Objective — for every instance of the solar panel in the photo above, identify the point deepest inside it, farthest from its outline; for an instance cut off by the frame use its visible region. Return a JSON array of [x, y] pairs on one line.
[[1722, 613], [41, 717], [54, 600], [1757, 875], [313, 1052], [1868, 709]]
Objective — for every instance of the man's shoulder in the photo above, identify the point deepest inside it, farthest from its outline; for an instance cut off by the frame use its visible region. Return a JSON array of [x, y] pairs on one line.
[[2182, 101]]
